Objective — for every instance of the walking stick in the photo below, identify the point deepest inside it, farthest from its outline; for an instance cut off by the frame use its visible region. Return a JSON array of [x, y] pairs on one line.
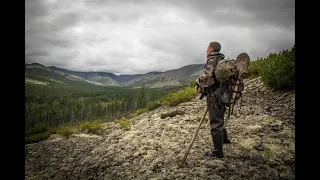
[[193, 139]]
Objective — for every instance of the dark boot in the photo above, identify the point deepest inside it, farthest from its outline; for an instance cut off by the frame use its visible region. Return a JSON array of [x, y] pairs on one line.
[[217, 141], [225, 136], [215, 153]]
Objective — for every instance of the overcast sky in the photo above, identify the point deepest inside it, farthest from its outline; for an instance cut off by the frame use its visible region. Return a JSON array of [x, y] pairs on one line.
[[139, 36]]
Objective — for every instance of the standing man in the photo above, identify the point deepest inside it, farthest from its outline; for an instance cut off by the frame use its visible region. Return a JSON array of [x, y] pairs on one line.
[[214, 103]]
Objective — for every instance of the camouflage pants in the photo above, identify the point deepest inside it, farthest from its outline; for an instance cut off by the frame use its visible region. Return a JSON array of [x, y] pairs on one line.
[[216, 115]]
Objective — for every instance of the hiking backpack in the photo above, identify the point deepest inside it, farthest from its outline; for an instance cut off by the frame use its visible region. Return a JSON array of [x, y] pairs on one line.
[[220, 71], [225, 73]]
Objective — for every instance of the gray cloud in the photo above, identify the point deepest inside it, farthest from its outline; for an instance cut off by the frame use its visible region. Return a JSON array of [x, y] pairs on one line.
[[37, 52], [127, 37], [35, 8], [245, 13]]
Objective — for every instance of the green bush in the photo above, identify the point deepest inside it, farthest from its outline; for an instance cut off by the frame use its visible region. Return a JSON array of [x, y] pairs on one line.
[[183, 95], [64, 131], [138, 112], [124, 123], [52, 130], [192, 84], [253, 67], [93, 127], [153, 105], [37, 129], [36, 137], [278, 70]]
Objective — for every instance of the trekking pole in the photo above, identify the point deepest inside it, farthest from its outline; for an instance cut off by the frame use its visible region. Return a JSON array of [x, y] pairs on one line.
[[240, 105], [193, 139]]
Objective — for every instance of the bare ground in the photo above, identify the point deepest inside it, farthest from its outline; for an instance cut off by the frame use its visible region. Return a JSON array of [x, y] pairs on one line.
[[262, 135]]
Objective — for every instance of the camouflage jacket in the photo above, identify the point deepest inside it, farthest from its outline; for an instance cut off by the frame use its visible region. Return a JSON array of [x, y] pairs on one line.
[[207, 77]]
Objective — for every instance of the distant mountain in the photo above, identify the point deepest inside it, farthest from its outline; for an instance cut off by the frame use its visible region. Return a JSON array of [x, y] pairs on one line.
[[39, 74], [185, 71]]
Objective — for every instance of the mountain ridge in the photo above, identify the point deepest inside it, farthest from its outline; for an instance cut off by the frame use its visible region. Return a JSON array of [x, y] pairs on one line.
[[174, 77], [151, 72]]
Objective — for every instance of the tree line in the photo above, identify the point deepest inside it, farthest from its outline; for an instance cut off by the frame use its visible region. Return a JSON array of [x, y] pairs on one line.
[[54, 109]]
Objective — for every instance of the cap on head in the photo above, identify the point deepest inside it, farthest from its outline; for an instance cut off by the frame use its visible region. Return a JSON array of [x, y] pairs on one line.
[[215, 46]]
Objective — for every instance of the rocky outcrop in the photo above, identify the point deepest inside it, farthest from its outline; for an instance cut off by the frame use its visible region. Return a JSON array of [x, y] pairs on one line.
[[261, 132]]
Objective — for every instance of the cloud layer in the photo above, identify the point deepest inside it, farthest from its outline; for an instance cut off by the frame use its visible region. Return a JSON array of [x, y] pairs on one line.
[[128, 37]]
